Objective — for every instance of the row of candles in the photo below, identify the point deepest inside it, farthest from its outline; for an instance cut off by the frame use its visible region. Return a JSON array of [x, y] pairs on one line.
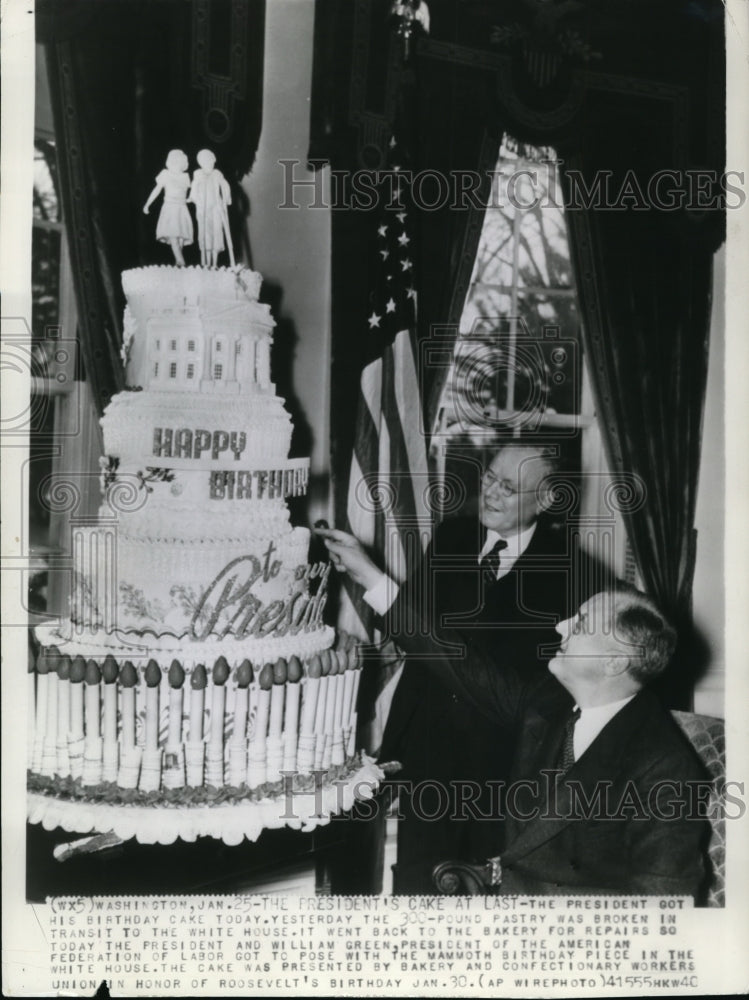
[[284, 718]]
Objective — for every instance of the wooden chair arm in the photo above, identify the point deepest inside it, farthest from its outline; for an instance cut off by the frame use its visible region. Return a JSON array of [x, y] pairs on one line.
[[462, 878]]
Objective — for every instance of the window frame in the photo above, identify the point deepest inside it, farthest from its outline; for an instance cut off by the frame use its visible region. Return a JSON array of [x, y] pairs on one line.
[[605, 531]]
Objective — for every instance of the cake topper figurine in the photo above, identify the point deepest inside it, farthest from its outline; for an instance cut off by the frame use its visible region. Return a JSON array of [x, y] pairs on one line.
[[175, 224], [210, 194]]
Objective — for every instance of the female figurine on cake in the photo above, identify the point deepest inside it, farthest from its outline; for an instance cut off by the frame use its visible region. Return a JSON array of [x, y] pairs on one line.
[[175, 224], [210, 194]]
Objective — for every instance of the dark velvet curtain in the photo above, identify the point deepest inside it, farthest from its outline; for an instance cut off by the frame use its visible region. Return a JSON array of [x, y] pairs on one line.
[[644, 287], [642, 255], [130, 80], [459, 137]]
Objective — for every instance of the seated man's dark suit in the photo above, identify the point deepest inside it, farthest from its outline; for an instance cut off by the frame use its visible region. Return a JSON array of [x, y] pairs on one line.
[[438, 737], [550, 845]]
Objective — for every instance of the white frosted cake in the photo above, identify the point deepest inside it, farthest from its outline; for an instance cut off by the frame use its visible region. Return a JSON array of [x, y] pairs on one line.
[[195, 667]]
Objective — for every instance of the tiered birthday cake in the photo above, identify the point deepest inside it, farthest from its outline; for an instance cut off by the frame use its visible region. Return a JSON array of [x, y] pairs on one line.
[[195, 686]]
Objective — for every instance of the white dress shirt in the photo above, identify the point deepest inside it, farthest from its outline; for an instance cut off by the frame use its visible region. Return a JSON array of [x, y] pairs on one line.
[[382, 594], [591, 722], [516, 546]]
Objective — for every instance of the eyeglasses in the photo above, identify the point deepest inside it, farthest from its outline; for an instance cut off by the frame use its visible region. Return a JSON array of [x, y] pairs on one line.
[[503, 486]]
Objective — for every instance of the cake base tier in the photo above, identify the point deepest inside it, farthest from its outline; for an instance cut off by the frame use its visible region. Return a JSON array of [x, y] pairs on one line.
[[128, 645], [229, 821]]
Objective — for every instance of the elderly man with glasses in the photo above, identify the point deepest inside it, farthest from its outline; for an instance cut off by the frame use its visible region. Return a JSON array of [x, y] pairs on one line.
[[505, 579]]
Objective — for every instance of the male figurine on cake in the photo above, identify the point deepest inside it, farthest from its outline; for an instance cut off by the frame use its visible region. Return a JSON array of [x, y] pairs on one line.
[[210, 193]]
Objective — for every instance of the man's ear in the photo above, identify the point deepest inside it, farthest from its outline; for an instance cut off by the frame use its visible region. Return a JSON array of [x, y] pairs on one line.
[[615, 665], [544, 497]]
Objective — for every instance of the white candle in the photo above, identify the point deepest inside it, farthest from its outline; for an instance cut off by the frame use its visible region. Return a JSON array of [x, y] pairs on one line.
[[320, 708], [128, 680], [76, 711], [311, 691], [93, 701], [263, 703], [277, 699], [50, 730], [109, 675], [176, 679], [338, 712], [348, 690], [291, 720], [241, 706], [40, 721], [153, 680], [243, 678], [198, 681], [330, 705], [174, 735], [218, 706], [218, 702], [63, 699], [357, 679]]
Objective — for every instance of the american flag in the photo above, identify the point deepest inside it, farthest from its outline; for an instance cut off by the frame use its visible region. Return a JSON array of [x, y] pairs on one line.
[[387, 505]]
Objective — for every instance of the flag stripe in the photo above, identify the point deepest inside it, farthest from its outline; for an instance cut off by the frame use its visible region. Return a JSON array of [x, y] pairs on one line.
[[371, 389], [358, 520], [401, 475], [408, 400], [408, 405]]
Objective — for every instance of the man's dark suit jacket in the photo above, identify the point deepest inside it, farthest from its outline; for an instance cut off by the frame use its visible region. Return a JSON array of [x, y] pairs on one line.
[[434, 734], [554, 843]]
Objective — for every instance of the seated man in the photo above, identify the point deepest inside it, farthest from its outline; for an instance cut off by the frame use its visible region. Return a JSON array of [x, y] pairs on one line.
[[604, 790]]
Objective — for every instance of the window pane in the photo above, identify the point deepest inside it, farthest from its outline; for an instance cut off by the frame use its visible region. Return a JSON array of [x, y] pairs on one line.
[[535, 363], [543, 253], [525, 203], [507, 371], [494, 255], [552, 324], [486, 309], [46, 200], [480, 378]]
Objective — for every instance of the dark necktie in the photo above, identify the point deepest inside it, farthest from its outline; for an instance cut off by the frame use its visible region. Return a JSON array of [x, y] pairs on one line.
[[490, 562], [567, 751]]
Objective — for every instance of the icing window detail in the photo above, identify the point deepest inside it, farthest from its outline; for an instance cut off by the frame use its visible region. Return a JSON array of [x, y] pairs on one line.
[[218, 372], [190, 371], [173, 345], [156, 368], [190, 345], [173, 369]]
